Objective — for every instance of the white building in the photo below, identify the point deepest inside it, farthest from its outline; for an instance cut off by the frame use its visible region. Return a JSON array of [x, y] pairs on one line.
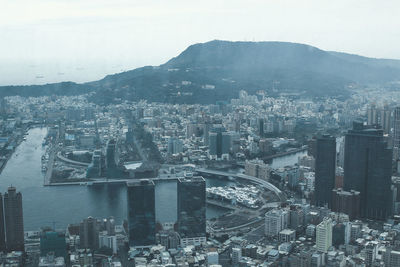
[[275, 221], [236, 256], [324, 235]]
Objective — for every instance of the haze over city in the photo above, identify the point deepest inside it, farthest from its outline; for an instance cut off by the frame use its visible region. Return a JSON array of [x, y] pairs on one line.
[[84, 40]]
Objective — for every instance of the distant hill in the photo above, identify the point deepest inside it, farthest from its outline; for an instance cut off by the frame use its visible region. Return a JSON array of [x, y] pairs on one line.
[[218, 70]]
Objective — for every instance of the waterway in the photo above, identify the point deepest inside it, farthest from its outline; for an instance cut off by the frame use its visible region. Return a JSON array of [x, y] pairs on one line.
[[287, 160], [61, 205]]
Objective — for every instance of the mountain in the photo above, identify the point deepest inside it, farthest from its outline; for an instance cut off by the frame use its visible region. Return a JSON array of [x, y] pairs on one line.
[[218, 70]]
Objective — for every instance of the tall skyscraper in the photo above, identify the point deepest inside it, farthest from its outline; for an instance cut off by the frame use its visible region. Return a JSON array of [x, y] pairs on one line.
[[3, 246], [110, 154], [325, 169], [396, 127], [192, 210], [386, 119], [324, 235], [261, 127], [141, 213], [219, 143], [372, 114], [14, 220], [368, 170], [89, 234]]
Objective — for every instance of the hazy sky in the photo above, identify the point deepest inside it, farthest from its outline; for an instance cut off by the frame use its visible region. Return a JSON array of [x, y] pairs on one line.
[[83, 40]]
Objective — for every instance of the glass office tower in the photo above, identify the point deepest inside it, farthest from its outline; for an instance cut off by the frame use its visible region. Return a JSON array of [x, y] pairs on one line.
[[368, 170], [192, 210], [141, 213]]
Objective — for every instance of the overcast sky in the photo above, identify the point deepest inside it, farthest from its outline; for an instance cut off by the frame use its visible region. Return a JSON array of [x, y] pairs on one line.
[[81, 40]]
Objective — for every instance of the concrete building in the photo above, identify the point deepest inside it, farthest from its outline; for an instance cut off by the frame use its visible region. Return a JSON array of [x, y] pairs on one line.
[[257, 168], [368, 170], [325, 170], [14, 221], [89, 234], [324, 235], [275, 221], [346, 202], [236, 256]]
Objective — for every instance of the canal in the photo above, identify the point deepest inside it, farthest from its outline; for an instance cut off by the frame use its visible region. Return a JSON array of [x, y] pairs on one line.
[[61, 205]]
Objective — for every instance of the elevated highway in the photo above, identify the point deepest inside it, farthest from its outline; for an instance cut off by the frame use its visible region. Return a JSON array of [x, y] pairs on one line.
[[252, 179]]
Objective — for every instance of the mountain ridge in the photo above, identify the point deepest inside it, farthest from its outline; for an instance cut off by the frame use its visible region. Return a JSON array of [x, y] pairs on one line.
[[218, 70]]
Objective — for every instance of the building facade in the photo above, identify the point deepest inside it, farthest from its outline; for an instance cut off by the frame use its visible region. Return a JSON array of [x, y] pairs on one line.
[[324, 235], [141, 213], [368, 170], [347, 202], [14, 221], [325, 170], [192, 210]]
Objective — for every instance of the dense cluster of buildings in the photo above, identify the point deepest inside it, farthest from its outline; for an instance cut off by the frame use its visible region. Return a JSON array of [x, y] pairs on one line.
[[341, 201]]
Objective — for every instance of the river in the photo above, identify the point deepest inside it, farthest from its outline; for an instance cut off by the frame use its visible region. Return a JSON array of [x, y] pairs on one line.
[[62, 205]]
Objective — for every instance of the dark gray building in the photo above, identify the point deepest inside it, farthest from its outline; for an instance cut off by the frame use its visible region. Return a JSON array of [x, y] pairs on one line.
[[141, 213], [89, 234], [192, 210], [14, 221], [368, 170], [325, 167], [219, 142], [347, 202], [2, 227]]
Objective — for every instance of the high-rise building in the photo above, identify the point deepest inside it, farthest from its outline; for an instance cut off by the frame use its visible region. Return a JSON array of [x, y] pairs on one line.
[[110, 154], [396, 127], [3, 246], [261, 127], [372, 114], [370, 252], [275, 221], [312, 147], [386, 119], [141, 213], [89, 234], [257, 168], [347, 202], [175, 146], [325, 170], [391, 257], [14, 221], [324, 235], [219, 143], [192, 210], [236, 256], [368, 170]]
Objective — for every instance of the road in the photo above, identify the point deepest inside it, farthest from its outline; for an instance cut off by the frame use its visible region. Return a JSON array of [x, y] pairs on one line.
[[50, 164], [262, 182]]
